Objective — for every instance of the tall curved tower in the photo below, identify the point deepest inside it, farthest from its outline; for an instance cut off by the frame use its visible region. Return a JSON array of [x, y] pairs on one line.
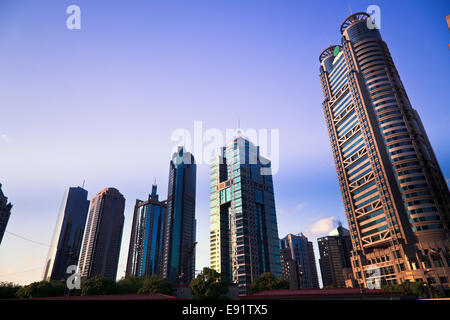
[[396, 199]]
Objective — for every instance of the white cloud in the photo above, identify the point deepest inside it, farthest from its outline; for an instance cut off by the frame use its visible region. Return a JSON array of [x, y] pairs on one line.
[[294, 210], [323, 226], [4, 138]]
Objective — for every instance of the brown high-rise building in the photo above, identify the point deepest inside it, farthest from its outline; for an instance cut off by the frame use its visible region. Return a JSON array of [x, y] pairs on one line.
[[103, 235], [395, 196], [5, 212]]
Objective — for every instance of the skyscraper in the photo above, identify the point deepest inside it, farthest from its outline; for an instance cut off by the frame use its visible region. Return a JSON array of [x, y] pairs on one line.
[[244, 239], [178, 264], [146, 236], [68, 234], [298, 251], [395, 196], [334, 259], [103, 235], [5, 212]]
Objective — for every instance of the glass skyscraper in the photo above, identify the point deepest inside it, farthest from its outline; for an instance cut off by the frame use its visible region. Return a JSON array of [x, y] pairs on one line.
[[68, 234], [146, 236], [298, 249], [5, 212], [178, 264], [244, 239], [395, 196], [103, 235]]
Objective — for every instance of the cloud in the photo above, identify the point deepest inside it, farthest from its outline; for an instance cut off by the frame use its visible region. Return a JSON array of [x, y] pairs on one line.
[[4, 138], [294, 210], [323, 226]]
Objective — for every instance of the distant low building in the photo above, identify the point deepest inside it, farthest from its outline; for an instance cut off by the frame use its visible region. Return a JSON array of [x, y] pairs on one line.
[[5, 212]]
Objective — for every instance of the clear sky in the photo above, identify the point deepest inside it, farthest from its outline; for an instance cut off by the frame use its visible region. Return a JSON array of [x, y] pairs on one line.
[[101, 103]]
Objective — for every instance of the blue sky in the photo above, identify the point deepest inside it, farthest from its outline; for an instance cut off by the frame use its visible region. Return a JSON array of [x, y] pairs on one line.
[[100, 103]]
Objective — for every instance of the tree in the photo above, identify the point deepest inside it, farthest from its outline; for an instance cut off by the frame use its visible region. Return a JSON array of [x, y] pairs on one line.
[[98, 286], [330, 286], [155, 284], [129, 284], [414, 289], [8, 290], [42, 289], [209, 285], [267, 281]]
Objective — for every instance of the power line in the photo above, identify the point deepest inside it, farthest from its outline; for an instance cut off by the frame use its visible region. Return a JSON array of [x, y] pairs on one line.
[[26, 239]]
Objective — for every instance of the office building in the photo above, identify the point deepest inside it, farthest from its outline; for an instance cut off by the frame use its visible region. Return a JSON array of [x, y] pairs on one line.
[[68, 234], [5, 212], [244, 239], [103, 235], [298, 262], [334, 260], [145, 250], [178, 259], [395, 196]]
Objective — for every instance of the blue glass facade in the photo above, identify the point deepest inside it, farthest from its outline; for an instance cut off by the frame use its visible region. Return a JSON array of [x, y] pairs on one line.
[[178, 264], [146, 241], [244, 239], [68, 234]]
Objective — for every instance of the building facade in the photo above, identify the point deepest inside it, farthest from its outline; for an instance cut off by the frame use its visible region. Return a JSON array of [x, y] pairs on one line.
[[298, 262], [68, 234], [395, 196], [103, 235], [5, 212], [145, 251], [244, 239], [334, 260], [178, 258]]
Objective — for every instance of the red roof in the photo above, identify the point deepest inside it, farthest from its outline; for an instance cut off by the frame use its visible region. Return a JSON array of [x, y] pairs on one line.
[[155, 296], [317, 293]]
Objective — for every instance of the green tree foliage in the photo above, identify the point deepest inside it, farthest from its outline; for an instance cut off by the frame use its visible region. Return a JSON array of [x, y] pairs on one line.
[[129, 284], [412, 289], [8, 290], [209, 285], [98, 286], [42, 289], [155, 284], [267, 281]]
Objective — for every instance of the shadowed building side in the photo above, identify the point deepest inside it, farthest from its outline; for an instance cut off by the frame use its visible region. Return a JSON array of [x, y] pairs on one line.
[[102, 239], [68, 234], [5, 212]]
